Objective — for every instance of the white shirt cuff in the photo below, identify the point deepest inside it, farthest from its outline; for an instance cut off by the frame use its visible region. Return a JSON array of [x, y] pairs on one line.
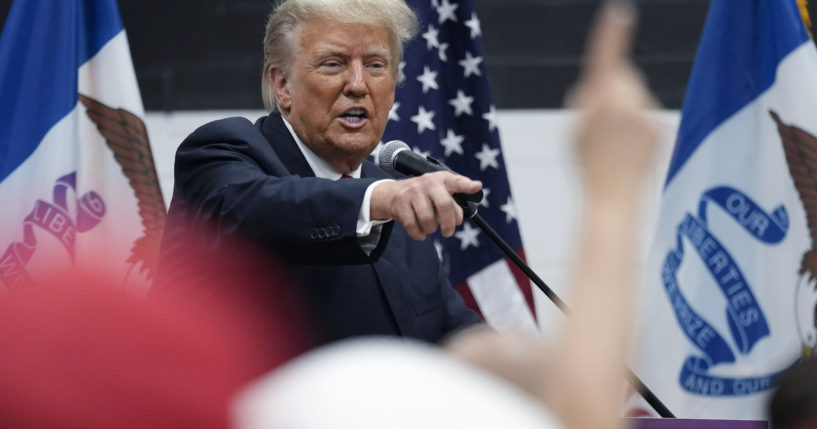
[[364, 222]]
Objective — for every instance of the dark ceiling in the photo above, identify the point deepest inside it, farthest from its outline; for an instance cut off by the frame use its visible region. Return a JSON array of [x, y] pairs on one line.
[[206, 54]]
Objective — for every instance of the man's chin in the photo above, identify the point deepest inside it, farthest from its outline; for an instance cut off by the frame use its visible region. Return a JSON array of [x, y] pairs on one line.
[[348, 157], [358, 147]]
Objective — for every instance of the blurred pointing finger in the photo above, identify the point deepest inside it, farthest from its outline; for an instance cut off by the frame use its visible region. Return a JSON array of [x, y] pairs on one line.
[[609, 43]]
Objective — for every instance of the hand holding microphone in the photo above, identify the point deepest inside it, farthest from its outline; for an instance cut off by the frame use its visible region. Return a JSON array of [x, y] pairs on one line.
[[421, 202], [397, 157]]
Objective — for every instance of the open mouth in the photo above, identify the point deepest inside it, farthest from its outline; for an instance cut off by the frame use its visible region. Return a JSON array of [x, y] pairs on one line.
[[354, 117]]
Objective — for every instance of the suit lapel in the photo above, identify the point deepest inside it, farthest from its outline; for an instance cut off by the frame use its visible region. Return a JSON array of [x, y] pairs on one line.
[[390, 278], [279, 137]]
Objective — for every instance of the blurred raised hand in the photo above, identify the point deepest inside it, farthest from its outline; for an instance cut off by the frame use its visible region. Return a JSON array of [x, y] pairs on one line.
[[582, 378], [615, 140]]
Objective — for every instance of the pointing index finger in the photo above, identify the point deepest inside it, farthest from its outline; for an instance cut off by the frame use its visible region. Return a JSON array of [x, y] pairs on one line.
[[610, 40], [456, 183]]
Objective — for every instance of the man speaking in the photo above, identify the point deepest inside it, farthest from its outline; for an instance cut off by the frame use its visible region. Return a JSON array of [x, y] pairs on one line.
[[355, 247]]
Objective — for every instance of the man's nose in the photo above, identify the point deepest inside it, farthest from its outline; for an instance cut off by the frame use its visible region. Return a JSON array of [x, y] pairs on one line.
[[356, 80]]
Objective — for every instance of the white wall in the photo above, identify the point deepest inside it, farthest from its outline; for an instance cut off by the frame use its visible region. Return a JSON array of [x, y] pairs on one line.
[[547, 191], [544, 181]]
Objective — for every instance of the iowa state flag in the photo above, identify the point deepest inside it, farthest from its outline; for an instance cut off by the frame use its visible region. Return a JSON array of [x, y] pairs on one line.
[[729, 299], [77, 182]]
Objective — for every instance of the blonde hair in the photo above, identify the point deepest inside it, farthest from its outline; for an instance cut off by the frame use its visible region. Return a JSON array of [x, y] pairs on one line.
[[395, 15]]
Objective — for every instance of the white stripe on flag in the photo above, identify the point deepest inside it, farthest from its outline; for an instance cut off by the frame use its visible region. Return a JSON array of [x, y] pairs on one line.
[[110, 77], [500, 300]]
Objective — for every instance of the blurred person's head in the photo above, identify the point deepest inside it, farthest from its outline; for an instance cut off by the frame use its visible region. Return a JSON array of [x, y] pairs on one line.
[[78, 351], [794, 403]]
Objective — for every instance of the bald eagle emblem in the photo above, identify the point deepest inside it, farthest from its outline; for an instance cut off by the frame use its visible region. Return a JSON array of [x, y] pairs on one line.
[[800, 148], [126, 135]]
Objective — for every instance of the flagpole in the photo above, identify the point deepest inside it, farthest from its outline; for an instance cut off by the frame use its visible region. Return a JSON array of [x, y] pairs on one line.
[[470, 211]]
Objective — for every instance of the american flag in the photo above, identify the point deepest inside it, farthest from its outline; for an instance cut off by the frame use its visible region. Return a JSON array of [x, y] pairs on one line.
[[444, 108]]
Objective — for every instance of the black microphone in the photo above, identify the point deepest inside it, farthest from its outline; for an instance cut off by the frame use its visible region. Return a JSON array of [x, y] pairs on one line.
[[397, 157]]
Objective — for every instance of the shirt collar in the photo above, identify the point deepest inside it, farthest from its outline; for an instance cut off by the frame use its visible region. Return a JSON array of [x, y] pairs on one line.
[[319, 166]]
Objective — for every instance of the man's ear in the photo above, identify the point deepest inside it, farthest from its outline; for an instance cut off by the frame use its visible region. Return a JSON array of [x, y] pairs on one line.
[[280, 87]]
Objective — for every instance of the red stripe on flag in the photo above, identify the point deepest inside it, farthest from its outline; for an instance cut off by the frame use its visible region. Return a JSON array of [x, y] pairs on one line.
[[638, 412], [468, 297], [523, 282]]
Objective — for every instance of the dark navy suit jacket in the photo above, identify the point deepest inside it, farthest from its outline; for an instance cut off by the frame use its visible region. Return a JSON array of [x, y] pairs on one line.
[[252, 181]]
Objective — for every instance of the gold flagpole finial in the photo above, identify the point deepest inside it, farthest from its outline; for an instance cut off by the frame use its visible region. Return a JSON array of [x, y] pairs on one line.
[[804, 14]]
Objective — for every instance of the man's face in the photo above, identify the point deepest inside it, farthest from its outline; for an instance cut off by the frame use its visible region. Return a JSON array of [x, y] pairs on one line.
[[339, 89]]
